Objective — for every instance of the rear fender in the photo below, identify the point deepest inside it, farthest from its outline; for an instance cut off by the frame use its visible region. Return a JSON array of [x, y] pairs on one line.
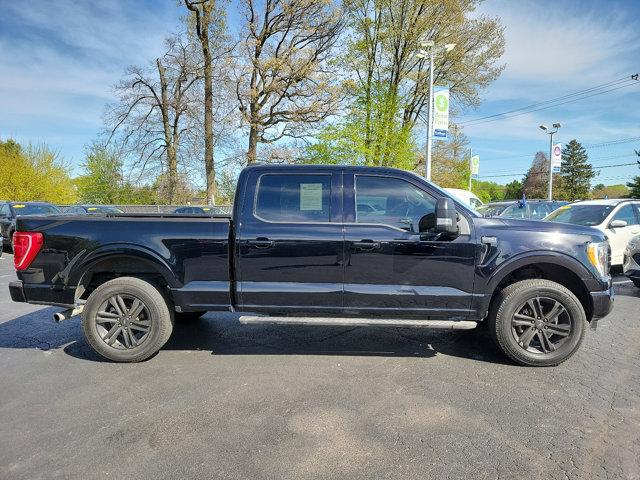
[[81, 266]]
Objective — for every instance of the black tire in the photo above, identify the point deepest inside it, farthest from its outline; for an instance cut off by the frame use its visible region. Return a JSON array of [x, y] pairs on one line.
[[188, 316], [636, 283], [121, 334], [551, 343]]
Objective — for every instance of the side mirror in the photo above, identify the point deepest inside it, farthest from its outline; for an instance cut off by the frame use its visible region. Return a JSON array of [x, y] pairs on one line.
[[617, 224], [446, 216]]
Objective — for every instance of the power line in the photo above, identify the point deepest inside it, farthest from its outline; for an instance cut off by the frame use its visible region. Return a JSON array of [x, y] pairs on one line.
[[586, 147], [623, 82], [600, 167], [533, 105]]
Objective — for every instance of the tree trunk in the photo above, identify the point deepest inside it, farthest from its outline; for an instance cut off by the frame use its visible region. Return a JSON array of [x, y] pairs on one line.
[[170, 146], [172, 158], [208, 106], [253, 144], [203, 19]]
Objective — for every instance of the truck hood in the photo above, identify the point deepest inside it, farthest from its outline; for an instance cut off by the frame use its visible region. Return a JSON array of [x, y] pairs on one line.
[[539, 226], [515, 237], [520, 238]]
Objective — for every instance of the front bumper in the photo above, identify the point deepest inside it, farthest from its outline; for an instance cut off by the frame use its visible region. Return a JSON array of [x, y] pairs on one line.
[[16, 290], [602, 302], [630, 267]]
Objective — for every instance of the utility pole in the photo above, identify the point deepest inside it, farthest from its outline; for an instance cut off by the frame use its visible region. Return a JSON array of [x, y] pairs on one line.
[[545, 129], [429, 49]]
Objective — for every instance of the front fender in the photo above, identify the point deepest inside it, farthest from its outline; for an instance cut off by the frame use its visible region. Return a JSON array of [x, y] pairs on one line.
[[491, 275]]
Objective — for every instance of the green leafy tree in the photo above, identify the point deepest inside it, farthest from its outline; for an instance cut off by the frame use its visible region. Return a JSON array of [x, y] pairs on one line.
[[610, 191], [34, 172], [576, 172], [487, 191], [512, 190], [102, 181], [634, 186], [388, 91]]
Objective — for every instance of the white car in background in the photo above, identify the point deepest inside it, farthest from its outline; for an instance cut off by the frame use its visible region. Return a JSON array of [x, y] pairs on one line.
[[619, 219], [466, 196]]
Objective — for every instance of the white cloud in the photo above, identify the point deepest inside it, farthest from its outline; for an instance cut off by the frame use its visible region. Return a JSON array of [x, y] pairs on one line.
[[558, 48], [59, 60]]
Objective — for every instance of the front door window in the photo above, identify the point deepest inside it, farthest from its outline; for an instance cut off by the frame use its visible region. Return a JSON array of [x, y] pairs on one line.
[[393, 202]]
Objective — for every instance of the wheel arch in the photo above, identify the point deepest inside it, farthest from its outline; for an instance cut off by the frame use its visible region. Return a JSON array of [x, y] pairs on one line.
[[557, 267], [113, 261]]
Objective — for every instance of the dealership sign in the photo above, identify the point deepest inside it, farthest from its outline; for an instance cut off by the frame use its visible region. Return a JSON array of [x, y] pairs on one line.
[[475, 165], [440, 111], [556, 157]]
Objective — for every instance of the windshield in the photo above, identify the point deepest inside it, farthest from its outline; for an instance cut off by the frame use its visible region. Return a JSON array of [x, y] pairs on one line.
[[517, 210], [34, 209], [103, 209], [491, 210], [587, 215]]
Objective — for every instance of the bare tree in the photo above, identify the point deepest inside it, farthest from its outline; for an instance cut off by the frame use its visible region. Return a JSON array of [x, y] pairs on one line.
[[202, 11], [154, 109], [285, 84]]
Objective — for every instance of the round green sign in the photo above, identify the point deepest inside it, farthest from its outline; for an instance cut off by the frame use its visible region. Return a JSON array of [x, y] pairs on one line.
[[442, 103]]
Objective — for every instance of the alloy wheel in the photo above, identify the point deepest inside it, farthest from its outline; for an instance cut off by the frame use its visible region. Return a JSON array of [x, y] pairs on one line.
[[541, 325], [123, 322]]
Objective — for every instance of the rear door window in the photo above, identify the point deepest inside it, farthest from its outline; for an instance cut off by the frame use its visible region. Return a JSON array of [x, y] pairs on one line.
[[286, 198]]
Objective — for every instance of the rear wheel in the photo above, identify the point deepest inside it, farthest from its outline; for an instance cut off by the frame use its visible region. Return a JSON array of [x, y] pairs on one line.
[[537, 322], [126, 320]]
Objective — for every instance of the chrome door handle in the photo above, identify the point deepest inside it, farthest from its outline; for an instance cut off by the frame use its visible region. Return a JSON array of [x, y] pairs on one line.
[[366, 245], [260, 242]]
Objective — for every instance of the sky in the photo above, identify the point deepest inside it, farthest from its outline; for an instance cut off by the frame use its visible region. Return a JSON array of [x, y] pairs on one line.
[[60, 58]]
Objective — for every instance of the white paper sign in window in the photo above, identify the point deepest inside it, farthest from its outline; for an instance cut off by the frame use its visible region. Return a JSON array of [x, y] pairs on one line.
[[310, 196]]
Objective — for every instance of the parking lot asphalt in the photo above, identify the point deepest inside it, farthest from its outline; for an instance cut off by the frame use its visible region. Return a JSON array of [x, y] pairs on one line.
[[225, 401]]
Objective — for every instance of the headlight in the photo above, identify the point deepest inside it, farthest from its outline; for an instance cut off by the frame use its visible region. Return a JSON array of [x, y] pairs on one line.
[[598, 254]]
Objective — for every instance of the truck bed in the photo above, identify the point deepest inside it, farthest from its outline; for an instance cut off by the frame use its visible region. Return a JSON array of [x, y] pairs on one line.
[[188, 254]]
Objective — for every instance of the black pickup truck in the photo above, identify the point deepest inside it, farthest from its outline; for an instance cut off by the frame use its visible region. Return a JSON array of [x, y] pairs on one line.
[[320, 245]]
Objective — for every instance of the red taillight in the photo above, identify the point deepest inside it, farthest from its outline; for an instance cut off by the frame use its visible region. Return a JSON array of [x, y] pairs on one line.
[[26, 246]]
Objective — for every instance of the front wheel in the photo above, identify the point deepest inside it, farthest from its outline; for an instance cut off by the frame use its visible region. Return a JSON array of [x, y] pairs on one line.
[[537, 322], [126, 320]]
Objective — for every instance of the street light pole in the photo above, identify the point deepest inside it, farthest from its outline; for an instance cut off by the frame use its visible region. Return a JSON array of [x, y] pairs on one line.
[[550, 133], [470, 160], [550, 191], [428, 48], [429, 118]]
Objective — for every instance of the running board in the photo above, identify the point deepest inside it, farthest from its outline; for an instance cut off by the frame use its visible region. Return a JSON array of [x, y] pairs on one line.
[[359, 322]]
